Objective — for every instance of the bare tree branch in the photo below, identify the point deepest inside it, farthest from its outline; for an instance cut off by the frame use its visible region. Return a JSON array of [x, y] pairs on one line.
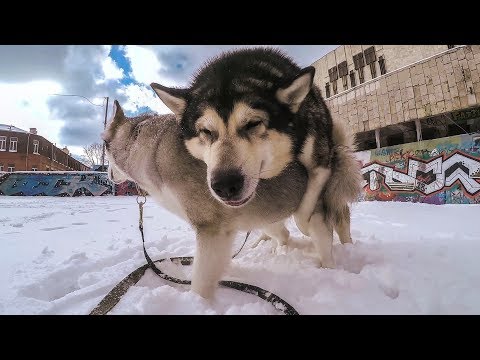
[[93, 154]]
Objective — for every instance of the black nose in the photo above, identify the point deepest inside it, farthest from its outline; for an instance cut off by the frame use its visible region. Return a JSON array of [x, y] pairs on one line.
[[227, 185]]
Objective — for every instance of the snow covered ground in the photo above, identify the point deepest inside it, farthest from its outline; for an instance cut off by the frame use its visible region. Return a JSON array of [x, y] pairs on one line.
[[62, 255]]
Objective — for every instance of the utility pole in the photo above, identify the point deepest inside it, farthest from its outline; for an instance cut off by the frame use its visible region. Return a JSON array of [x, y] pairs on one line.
[[103, 142]]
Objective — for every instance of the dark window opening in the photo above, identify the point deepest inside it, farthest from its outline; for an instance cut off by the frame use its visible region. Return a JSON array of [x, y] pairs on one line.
[[352, 78], [450, 46], [358, 61], [327, 90], [381, 62], [454, 130], [450, 124], [370, 55], [333, 74], [366, 140], [373, 70], [398, 134], [335, 90], [361, 76], [396, 139], [345, 82], [342, 69]]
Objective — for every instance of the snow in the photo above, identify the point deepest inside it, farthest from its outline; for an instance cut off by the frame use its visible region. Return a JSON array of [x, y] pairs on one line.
[[63, 255]]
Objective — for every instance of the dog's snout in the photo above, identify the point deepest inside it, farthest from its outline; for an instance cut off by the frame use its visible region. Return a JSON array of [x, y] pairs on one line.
[[228, 185]]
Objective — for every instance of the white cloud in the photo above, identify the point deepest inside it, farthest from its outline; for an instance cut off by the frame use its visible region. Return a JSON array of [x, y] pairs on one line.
[[24, 105], [110, 69], [146, 66], [139, 96]]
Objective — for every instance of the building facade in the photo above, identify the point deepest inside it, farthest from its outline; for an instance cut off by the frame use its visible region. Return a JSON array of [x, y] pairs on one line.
[[415, 111], [27, 151], [396, 94]]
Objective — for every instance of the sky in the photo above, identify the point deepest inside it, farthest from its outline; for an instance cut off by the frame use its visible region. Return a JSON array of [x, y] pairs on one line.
[[31, 74]]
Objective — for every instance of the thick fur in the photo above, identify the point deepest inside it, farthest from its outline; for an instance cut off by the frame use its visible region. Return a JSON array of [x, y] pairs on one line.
[[295, 124], [150, 150]]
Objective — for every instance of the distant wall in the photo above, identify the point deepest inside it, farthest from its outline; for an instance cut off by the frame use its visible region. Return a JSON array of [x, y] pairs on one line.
[[126, 188], [439, 171], [55, 184]]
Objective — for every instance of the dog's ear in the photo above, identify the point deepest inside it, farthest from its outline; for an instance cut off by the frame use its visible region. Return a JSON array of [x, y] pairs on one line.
[[117, 111], [175, 99], [117, 120], [294, 92]]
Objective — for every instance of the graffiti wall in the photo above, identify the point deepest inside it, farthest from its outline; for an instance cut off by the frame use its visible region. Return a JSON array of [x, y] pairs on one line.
[[439, 171], [55, 183]]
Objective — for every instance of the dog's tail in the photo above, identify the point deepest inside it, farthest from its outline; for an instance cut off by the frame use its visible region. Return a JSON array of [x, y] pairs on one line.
[[344, 185]]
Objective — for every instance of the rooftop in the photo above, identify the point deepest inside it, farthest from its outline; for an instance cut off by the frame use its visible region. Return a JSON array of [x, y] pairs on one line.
[[6, 127]]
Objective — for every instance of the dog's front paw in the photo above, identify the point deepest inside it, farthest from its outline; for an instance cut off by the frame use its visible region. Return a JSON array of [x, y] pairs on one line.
[[327, 263]]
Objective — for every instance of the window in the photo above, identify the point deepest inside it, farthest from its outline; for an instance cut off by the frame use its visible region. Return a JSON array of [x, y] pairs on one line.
[[343, 73], [35, 146], [381, 62], [13, 144], [327, 90], [11, 167], [1, 167], [34, 168], [3, 143], [333, 74], [352, 78], [335, 91], [358, 61], [373, 70], [342, 69], [361, 76], [370, 55], [54, 154]]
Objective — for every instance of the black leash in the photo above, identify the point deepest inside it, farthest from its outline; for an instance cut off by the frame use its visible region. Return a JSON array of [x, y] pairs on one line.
[[114, 296]]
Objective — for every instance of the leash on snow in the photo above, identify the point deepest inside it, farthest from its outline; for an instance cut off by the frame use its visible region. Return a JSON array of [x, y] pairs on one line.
[[114, 296]]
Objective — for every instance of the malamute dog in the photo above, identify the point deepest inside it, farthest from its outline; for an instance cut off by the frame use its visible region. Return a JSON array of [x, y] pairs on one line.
[[247, 114], [151, 150]]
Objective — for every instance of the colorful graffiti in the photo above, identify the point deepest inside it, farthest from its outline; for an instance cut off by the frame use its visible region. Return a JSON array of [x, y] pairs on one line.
[[55, 184], [439, 171]]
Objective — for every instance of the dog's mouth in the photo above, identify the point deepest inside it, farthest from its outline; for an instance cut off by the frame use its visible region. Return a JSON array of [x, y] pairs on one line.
[[237, 203]]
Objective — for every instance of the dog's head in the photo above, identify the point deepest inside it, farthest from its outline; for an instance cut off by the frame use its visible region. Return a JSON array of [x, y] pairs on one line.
[[238, 116], [116, 135]]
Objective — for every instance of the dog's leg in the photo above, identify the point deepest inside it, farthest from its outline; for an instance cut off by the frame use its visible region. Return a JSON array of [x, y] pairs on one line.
[[263, 237], [342, 227], [277, 230], [316, 181], [322, 237], [212, 257]]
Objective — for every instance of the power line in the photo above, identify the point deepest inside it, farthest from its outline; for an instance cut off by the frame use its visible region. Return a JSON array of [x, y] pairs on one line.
[[81, 97]]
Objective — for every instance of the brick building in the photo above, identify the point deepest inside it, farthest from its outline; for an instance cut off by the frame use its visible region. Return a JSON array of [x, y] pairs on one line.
[[27, 151], [396, 94]]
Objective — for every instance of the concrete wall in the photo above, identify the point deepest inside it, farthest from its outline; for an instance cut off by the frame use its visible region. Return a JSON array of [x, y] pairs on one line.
[[439, 171], [396, 56], [446, 82]]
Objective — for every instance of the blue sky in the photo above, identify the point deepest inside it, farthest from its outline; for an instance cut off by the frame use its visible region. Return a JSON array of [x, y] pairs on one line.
[[29, 75]]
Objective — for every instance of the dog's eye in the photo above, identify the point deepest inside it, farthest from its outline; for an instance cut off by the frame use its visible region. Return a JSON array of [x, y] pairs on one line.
[[252, 125], [206, 132]]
